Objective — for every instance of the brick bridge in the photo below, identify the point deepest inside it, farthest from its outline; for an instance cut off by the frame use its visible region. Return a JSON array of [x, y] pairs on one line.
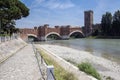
[[63, 32], [43, 32]]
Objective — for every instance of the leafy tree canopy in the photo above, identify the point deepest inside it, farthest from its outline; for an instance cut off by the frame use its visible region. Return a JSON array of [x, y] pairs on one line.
[[116, 23], [106, 23], [11, 10], [110, 25]]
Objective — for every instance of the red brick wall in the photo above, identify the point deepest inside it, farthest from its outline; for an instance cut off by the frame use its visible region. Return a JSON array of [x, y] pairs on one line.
[[24, 32], [75, 28]]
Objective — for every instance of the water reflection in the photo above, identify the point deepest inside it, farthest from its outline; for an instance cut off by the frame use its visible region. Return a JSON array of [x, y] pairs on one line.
[[107, 48]]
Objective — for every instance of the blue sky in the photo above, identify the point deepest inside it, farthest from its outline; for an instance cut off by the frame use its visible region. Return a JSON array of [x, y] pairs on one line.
[[64, 12]]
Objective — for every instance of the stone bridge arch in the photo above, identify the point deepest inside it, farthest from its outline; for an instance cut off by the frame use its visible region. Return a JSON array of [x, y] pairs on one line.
[[52, 33], [76, 31], [31, 37], [25, 32]]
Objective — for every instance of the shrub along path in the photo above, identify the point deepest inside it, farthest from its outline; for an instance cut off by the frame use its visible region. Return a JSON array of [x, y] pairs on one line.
[[21, 66]]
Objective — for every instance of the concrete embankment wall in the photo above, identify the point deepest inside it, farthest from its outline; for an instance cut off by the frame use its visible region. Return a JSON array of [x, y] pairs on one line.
[[8, 48]]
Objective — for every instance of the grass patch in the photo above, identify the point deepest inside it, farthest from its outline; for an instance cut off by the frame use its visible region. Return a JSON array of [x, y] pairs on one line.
[[71, 61], [60, 73], [89, 69], [109, 78]]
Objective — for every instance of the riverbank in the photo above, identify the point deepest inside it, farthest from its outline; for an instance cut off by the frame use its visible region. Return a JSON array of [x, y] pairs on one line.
[[104, 67], [103, 37]]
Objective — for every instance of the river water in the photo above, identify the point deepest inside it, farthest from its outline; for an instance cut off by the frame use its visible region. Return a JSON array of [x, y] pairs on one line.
[[106, 48]]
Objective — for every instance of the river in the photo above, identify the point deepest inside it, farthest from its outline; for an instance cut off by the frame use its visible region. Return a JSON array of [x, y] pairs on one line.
[[106, 48]]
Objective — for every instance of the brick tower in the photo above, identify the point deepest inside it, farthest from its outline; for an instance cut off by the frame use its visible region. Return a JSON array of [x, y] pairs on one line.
[[88, 22]]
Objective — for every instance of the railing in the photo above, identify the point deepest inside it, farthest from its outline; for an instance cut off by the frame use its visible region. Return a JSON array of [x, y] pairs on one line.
[[46, 71], [8, 38]]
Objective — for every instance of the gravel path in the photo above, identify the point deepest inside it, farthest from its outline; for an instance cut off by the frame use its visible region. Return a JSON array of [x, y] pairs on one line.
[[21, 66], [104, 66]]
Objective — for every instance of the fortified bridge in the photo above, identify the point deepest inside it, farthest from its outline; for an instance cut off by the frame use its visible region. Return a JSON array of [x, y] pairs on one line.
[[45, 32]]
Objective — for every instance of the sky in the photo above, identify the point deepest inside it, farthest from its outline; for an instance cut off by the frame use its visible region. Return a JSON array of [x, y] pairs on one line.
[[64, 12]]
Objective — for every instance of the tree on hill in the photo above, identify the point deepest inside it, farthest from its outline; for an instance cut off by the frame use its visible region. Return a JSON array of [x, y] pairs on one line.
[[11, 10]]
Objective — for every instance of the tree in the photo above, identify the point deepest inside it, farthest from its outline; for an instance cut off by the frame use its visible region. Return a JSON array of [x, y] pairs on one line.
[[106, 24], [11, 10], [95, 33], [103, 24], [116, 23]]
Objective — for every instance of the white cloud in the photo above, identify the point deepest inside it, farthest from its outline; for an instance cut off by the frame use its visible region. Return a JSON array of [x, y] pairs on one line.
[[53, 4], [36, 3], [59, 4]]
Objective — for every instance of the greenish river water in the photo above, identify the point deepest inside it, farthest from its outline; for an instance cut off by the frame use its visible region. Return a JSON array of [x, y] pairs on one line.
[[107, 48]]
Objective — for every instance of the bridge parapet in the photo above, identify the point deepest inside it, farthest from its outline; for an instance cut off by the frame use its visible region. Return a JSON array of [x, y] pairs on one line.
[[75, 28]]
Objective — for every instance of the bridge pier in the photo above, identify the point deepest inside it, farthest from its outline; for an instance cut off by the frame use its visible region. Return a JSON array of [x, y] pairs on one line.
[[42, 38], [64, 37]]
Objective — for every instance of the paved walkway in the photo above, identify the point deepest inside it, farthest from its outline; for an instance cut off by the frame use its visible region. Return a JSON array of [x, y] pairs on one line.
[[22, 66]]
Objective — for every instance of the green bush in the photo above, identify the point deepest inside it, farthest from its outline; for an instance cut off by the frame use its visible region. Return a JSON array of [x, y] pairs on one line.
[[89, 69], [109, 78], [4, 35]]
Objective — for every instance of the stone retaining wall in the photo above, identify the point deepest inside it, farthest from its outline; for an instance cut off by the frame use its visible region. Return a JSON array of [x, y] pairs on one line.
[[8, 48]]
